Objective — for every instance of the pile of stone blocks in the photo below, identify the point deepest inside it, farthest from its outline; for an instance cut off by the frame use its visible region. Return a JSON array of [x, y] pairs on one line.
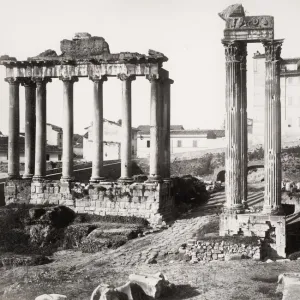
[[201, 250], [17, 191]]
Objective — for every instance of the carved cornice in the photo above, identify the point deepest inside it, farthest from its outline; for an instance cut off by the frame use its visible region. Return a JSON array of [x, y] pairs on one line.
[[28, 82], [235, 51], [272, 49], [152, 77], [13, 80], [124, 77], [70, 79]]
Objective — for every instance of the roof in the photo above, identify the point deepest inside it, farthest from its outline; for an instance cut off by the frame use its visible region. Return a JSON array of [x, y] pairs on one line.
[[55, 128], [4, 145], [218, 133], [77, 140], [146, 128]]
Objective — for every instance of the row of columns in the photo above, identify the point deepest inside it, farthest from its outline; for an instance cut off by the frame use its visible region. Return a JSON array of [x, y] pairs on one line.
[[236, 127], [35, 128]]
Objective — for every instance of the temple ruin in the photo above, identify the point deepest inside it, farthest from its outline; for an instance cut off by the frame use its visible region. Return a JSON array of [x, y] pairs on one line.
[[88, 56], [239, 31]]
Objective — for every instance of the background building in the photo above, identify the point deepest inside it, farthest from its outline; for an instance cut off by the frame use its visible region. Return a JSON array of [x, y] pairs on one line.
[[112, 136], [54, 135], [290, 98], [182, 140]]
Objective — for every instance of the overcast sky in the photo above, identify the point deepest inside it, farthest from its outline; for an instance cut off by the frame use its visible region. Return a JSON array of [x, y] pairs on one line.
[[188, 32]]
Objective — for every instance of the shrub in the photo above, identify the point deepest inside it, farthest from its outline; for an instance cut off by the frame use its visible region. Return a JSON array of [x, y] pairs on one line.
[[74, 234], [294, 256]]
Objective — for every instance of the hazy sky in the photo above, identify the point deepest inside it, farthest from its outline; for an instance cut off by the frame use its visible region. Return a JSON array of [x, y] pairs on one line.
[[188, 32]]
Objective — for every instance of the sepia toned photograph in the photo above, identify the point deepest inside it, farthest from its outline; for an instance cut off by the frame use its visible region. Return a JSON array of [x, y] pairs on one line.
[[150, 149]]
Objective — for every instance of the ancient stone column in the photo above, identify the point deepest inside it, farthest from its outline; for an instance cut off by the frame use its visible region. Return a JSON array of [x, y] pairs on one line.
[[13, 129], [68, 128], [30, 98], [97, 164], [244, 127], [40, 132], [235, 52], [167, 126], [126, 144], [155, 125], [272, 199]]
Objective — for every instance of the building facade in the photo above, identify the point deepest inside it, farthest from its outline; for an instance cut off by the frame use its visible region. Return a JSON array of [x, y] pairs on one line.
[[182, 140], [54, 135], [112, 138], [290, 98]]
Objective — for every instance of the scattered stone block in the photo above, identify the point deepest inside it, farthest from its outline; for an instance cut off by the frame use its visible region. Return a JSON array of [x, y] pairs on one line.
[[51, 297]]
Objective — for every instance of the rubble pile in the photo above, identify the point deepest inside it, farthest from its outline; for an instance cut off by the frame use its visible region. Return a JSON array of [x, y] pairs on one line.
[[200, 250]]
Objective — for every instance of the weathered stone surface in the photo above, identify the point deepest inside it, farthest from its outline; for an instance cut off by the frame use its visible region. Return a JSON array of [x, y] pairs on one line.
[[289, 285], [133, 291], [112, 294], [51, 297]]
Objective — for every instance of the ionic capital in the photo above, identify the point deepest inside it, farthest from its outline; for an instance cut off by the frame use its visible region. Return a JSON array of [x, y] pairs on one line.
[[235, 51], [41, 80], [124, 77], [28, 82], [70, 79], [272, 49], [13, 80], [98, 79], [152, 77]]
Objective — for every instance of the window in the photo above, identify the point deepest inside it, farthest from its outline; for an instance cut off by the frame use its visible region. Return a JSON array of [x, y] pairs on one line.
[[195, 144], [59, 156], [179, 143], [47, 157], [148, 144], [290, 80], [290, 101]]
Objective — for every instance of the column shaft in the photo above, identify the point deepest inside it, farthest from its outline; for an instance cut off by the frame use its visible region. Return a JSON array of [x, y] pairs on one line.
[[68, 129], [155, 145], [13, 129], [40, 132], [162, 128], [167, 127], [233, 157], [272, 198], [126, 145], [97, 166], [244, 128], [30, 99]]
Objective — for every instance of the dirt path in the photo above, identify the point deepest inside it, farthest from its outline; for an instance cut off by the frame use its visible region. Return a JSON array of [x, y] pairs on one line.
[[76, 274]]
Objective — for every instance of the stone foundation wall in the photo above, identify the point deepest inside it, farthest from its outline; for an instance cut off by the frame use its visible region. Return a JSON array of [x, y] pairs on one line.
[[271, 229], [17, 191], [220, 250], [148, 200]]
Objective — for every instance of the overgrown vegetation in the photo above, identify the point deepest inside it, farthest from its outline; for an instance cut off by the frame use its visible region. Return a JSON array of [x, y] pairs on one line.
[[42, 230]]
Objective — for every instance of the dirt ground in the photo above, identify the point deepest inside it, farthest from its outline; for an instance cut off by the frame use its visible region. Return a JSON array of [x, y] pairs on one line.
[[76, 274]]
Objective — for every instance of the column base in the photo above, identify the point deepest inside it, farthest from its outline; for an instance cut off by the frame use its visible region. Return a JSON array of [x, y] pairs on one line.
[[235, 209], [97, 179], [27, 176], [271, 210], [154, 178], [67, 178], [38, 178], [14, 176], [125, 180]]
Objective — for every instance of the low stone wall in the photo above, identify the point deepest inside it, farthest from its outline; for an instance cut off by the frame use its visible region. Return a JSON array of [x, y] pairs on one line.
[[152, 201], [17, 191], [271, 229], [203, 250]]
